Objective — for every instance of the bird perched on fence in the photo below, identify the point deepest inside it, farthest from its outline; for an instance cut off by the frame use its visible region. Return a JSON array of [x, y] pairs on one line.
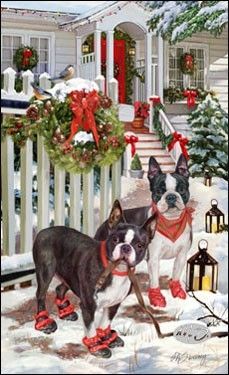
[[66, 74], [39, 93]]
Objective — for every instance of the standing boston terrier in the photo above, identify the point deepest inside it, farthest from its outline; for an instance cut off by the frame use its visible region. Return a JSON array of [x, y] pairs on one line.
[[173, 236], [79, 261]]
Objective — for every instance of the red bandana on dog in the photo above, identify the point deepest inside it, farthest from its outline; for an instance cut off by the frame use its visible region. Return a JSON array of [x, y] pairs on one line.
[[172, 229]]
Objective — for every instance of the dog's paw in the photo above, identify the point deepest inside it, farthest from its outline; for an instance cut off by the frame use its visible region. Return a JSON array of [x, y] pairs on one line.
[[102, 353], [176, 289], [72, 316], [156, 298], [118, 342]]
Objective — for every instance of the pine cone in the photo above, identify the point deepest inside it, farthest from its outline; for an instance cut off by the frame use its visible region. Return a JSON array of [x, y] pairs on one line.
[[113, 141], [32, 112], [105, 101]]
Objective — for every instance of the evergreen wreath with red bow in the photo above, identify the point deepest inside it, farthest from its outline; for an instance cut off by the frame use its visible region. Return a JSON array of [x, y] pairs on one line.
[[25, 58], [187, 63]]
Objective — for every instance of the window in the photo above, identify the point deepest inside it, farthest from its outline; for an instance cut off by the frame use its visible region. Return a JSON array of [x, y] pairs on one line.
[[42, 47], [10, 43], [176, 77], [43, 42]]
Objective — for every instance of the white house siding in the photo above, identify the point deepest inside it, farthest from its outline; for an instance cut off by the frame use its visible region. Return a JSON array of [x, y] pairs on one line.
[[218, 63], [63, 49]]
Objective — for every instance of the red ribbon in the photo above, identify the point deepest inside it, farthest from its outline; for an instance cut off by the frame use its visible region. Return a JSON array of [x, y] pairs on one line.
[[191, 95], [189, 61], [83, 106], [177, 137], [155, 99], [131, 140], [27, 53]]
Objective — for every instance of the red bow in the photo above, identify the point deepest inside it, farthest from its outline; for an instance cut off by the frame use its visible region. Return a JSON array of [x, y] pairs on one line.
[[27, 53], [131, 140], [191, 95], [177, 137], [155, 99], [83, 106], [189, 61]]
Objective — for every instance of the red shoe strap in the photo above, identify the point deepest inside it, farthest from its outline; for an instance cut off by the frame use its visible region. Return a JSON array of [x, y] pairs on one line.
[[60, 302], [94, 343], [112, 338], [175, 284], [41, 314], [66, 311], [103, 332], [154, 291]]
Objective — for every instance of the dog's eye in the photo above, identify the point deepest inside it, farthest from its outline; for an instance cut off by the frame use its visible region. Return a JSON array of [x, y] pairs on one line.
[[140, 245], [115, 239]]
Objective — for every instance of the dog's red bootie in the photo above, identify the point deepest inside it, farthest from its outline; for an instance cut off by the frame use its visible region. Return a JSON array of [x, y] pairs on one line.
[[109, 337], [66, 309], [156, 298], [96, 347], [44, 323], [176, 289]]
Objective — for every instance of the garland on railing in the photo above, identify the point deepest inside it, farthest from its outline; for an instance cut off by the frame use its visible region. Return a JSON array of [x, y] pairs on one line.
[[157, 106], [174, 94]]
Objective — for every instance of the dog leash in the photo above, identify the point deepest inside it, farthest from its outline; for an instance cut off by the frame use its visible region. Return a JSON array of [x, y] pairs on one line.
[[102, 278]]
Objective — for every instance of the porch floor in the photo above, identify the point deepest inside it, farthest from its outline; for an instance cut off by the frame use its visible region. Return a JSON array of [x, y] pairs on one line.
[[130, 128]]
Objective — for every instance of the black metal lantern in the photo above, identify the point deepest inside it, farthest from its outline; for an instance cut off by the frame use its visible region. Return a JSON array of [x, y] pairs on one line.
[[85, 48], [202, 270], [214, 218], [207, 177]]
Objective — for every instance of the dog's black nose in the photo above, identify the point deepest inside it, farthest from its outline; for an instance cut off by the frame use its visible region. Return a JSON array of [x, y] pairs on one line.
[[171, 198], [125, 249]]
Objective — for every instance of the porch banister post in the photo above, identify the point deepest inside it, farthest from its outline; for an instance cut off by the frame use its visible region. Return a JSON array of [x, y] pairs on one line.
[[160, 67], [78, 54], [97, 49], [148, 65], [110, 56]]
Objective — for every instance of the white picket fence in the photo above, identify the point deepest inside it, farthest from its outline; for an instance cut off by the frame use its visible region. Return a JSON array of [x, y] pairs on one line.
[[83, 201]]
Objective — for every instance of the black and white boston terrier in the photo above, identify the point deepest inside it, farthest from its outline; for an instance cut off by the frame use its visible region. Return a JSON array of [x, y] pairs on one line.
[[78, 260], [173, 236]]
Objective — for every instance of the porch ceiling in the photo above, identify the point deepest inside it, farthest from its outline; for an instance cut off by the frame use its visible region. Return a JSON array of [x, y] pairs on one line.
[[132, 29]]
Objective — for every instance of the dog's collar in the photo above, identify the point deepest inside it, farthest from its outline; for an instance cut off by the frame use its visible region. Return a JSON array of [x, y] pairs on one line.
[[103, 255], [172, 229]]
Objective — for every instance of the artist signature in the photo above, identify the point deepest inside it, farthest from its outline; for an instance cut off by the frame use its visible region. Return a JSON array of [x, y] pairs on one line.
[[184, 357]]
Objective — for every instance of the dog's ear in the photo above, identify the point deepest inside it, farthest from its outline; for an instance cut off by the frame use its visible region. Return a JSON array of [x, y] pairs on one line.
[[182, 166], [116, 215], [150, 225], [154, 168]]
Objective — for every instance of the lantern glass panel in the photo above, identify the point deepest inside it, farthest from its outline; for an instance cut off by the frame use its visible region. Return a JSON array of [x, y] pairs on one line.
[[196, 277], [214, 224]]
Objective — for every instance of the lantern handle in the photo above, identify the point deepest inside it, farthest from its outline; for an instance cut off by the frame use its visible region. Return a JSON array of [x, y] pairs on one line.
[[214, 204], [204, 248]]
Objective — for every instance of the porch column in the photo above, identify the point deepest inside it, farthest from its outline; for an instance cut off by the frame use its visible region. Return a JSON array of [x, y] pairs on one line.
[[78, 54], [137, 82], [148, 65], [110, 56], [97, 49], [160, 67]]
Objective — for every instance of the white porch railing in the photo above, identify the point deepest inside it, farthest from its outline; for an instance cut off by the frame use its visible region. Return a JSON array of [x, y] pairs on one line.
[[140, 92], [83, 202], [87, 66]]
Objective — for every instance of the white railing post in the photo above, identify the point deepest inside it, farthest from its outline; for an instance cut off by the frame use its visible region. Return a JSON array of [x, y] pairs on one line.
[[116, 180], [27, 77], [100, 80], [88, 203], [44, 81], [26, 197], [9, 81], [127, 156], [160, 67], [110, 56], [104, 192], [8, 207], [151, 114], [75, 201], [59, 191], [113, 90]]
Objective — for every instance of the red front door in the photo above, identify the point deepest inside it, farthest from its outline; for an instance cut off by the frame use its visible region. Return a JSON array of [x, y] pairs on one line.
[[119, 65]]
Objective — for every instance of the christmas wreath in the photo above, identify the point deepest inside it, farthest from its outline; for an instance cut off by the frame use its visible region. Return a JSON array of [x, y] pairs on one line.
[[80, 126], [25, 58], [104, 69], [187, 63]]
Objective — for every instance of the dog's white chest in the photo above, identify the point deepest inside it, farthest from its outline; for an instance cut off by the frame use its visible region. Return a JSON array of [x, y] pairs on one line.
[[166, 249], [115, 293]]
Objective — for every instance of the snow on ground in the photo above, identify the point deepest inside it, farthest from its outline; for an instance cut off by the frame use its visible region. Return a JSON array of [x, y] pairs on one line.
[[25, 350]]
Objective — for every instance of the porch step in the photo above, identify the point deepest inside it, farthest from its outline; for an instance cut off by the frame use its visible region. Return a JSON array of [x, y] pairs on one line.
[[180, 124], [164, 168]]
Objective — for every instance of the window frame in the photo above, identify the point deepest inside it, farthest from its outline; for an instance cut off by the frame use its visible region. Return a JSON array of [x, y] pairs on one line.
[[186, 47], [26, 35]]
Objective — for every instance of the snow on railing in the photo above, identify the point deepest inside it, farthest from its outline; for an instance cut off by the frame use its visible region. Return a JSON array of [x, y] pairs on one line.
[[82, 197]]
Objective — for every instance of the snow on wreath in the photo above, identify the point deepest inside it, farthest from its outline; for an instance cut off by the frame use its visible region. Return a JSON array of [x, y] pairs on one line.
[[79, 124]]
